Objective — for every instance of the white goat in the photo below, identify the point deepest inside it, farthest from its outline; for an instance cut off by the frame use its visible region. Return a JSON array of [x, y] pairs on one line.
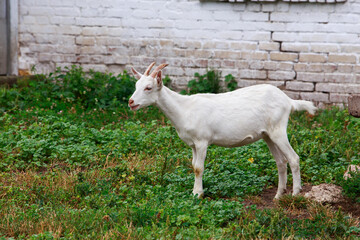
[[229, 119]]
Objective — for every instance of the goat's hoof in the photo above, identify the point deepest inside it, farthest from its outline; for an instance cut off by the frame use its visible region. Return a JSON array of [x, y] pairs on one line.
[[297, 192], [199, 194], [277, 196]]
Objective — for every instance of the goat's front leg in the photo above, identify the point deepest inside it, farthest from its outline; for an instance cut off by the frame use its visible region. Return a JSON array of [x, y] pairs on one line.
[[199, 153]]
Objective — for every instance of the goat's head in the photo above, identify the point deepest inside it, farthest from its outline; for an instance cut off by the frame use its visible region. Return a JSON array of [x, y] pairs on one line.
[[147, 87]]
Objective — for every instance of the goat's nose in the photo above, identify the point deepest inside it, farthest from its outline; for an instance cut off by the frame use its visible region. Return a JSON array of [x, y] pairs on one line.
[[131, 101]]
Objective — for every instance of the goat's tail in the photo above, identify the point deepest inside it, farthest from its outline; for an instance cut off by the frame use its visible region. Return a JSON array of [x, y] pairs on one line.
[[300, 105]]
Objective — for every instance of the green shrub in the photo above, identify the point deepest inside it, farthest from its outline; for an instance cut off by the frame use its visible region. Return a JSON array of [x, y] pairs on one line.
[[210, 82], [71, 86], [93, 89]]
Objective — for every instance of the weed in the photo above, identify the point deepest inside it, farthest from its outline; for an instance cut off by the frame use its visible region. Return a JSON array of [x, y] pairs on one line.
[[293, 202]]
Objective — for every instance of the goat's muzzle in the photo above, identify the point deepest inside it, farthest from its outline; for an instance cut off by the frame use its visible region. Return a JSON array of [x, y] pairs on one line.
[[132, 106]]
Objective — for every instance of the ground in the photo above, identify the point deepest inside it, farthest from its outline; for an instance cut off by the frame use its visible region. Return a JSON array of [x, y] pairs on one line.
[[266, 200]]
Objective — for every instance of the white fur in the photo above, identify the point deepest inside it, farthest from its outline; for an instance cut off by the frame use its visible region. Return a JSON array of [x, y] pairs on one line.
[[229, 119]]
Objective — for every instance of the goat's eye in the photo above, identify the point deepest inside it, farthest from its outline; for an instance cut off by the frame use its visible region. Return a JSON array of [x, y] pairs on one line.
[[148, 89]]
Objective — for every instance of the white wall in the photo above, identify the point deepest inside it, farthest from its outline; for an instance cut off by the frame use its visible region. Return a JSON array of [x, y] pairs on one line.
[[310, 49]]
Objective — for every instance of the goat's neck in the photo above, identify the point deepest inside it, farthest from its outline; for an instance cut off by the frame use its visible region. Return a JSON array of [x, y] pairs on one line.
[[172, 105]]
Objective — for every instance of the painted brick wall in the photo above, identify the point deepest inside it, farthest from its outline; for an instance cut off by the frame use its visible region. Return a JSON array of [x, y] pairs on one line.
[[309, 49]]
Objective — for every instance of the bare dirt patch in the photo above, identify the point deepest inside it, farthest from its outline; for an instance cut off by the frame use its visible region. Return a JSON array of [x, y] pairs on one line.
[[266, 201]]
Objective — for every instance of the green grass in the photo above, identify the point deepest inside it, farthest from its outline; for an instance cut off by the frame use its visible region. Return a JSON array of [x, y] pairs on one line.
[[71, 170]]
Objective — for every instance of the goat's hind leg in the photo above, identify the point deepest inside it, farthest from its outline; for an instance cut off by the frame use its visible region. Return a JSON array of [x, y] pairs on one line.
[[282, 143], [281, 163]]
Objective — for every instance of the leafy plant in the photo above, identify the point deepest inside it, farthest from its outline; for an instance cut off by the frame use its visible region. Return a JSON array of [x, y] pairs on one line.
[[230, 82], [210, 82]]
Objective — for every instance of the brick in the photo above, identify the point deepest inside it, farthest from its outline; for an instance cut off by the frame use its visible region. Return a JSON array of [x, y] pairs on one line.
[[44, 57], [62, 20], [300, 86], [357, 69], [340, 78], [242, 64], [246, 83], [292, 94], [221, 45], [300, 27], [314, 67], [324, 48], [40, 11], [279, 56], [345, 68], [310, 77], [284, 66], [254, 55], [295, 47], [227, 64], [282, 7], [281, 75], [338, 88], [222, 15], [67, 29], [282, 36], [271, 46], [252, 74], [310, 57], [227, 54], [67, 11], [344, 18], [329, 68], [190, 44], [255, 16], [89, 41], [315, 96], [256, 36], [116, 59], [300, 67], [268, 7], [243, 46], [203, 63], [95, 67], [339, 98], [213, 63], [342, 58], [253, 7], [350, 48], [256, 64], [95, 31], [342, 38], [299, 17]]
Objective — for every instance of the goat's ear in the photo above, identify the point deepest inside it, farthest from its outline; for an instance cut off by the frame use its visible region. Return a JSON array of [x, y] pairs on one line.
[[159, 80], [136, 73]]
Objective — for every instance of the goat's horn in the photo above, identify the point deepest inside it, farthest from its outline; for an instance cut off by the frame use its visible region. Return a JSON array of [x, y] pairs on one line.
[[156, 70], [149, 69]]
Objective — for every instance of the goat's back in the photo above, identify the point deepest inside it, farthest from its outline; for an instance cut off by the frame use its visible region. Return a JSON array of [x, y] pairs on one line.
[[239, 117]]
